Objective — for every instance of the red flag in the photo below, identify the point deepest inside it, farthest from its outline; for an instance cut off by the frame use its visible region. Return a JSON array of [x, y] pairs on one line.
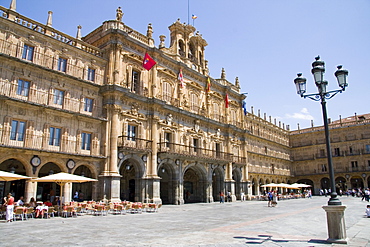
[[208, 85], [148, 62], [227, 101], [181, 79]]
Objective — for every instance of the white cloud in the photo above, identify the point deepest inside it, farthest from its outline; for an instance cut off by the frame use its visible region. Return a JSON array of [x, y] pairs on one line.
[[303, 114]]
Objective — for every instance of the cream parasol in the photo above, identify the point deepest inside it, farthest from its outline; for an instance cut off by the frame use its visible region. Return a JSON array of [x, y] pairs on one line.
[[8, 176], [62, 178]]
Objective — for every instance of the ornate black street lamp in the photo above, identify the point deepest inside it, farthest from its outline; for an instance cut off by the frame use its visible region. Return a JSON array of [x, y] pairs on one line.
[[318, 70]]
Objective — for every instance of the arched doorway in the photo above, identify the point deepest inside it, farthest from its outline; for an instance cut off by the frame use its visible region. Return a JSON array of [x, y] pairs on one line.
[[237, 178], [254, 187], [84, 189], [130, 181], [356, 183], [325, 184], [194, 185], [218, 183], [167, 184], [46, 191], [17, 187], [340, 184]]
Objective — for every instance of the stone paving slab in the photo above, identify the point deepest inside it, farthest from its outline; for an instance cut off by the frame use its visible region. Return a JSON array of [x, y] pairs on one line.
[[296, 222]]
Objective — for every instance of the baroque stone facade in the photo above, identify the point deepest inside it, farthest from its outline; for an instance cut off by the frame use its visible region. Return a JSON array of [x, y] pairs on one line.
[[171, 134]]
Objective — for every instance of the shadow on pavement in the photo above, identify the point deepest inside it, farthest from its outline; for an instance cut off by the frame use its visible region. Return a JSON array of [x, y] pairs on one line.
[[269, 238]]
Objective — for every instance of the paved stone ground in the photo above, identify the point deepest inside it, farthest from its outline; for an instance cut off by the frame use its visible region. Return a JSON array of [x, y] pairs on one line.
[[297, 222]]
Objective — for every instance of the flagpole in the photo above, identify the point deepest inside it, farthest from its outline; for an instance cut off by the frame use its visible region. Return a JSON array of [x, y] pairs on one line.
[[188, 12]]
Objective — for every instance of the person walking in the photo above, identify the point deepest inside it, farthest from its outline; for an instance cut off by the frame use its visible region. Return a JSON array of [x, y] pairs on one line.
[[222, 197], [9, 201], [269, 197]]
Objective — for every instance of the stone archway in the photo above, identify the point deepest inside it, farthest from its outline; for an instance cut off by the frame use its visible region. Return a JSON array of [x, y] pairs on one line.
[[340, 184], [356, 182], [194, 185], [130, 181], [218, 183], [167, 184], [46, 191], [17, 187], [254, 187], [85, 190]]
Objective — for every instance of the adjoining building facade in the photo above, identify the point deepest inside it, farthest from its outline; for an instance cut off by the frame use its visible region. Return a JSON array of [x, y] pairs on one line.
[[170, 134]]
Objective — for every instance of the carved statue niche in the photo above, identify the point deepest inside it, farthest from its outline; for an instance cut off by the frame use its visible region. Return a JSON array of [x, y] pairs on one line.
[[169, 119]]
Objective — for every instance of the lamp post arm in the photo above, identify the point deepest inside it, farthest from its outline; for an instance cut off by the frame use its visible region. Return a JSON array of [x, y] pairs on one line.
[[319, 96]]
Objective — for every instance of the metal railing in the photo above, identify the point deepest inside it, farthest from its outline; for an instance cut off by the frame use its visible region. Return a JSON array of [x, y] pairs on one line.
[[42, 57], [187, 150], [45, 96], [132, 143]]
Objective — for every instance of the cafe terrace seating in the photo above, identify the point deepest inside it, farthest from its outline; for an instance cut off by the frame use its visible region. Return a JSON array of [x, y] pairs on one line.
[[30, 213], [19, 212], [69, 211], [50, 212]]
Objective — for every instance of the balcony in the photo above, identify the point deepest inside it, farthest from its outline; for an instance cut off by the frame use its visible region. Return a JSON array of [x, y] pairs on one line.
[[130, 143], [41, 56], [193, 152]]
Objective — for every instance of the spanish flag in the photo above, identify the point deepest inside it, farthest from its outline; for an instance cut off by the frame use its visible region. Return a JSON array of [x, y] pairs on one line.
[[148, 62], [208, 89]]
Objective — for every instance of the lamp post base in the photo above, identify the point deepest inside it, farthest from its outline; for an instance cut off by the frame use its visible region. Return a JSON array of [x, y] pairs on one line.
[[336, 225]]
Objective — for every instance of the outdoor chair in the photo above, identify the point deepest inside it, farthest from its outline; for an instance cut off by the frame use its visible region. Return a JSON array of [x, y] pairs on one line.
[[69, 212], [18, 212], [50, 212], [30, 213]]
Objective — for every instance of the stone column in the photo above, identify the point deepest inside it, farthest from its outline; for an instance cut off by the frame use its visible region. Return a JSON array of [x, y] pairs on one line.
[[30, 191], [336, 225], [229, 182]]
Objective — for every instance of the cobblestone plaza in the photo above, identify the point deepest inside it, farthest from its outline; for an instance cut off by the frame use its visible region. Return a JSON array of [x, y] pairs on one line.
[[296, 222]]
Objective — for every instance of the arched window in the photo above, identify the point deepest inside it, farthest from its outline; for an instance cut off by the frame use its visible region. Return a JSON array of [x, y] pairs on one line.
[[181, 48]]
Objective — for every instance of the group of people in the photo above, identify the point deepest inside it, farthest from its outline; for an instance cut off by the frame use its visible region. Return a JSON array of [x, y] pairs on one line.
[[9, 203], [223, 198]]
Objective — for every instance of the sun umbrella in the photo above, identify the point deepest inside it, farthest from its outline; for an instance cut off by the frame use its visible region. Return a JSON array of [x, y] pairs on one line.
[[8, 176], [272, 185], [62, 178]]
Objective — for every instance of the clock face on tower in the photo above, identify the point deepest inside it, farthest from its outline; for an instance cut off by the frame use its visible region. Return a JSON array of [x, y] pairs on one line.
[[71, 164], [35, 161]]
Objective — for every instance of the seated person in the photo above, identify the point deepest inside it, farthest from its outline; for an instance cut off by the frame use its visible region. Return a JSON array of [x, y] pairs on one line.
[[56, 201], [20, 202], [48, 203], [32, 203]]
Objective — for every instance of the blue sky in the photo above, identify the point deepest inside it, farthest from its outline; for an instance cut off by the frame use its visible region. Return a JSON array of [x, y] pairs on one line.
[[265, 43]]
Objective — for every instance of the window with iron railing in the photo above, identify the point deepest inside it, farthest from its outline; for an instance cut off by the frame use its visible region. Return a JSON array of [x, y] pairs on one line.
[[194, 103], [88, 104], [85, 141], [17, 131], [91, 74], [58, 97], [131, 132], [55, 135], [167, 139], [62, 64], [23, 87], [167, 92], [28, 52]]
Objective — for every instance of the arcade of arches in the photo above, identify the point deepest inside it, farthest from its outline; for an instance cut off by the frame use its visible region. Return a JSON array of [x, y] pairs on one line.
[[176, 184]]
